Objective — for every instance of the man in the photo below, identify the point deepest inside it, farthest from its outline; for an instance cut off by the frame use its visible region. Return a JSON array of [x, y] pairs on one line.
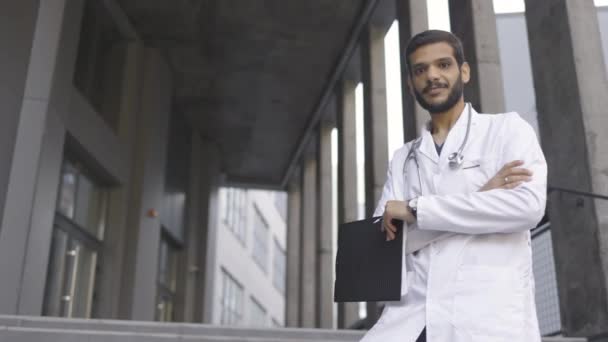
[[470, 189]]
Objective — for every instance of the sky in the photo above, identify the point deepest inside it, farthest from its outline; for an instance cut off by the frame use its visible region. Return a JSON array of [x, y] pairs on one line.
[[440, 19]]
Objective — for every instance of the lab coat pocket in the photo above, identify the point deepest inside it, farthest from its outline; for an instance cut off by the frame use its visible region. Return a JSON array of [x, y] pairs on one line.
[[488, 301], [477, 172]]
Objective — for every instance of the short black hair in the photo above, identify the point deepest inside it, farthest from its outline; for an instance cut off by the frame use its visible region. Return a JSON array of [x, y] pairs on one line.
[[432, 37]]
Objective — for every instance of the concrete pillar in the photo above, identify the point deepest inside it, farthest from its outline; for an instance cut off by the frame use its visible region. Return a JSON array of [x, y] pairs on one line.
[[474, 22], [148, 184], [209, 212], [413, 19], [17, 33], [124, 205], [16, 36], [29, 200], [294, 224], [571, 87], [325, 242], [201, 223], [194, 269], [348, 313], [375, 128], [308, 243]]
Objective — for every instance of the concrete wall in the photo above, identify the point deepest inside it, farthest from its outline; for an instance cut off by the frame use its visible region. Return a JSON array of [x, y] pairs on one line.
[[45, 115]]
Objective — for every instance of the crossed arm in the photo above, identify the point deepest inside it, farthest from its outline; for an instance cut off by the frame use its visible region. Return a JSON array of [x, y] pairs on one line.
[[498, 207]]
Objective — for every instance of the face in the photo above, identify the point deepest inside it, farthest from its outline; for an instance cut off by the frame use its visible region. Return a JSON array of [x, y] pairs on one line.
[[435, 79]]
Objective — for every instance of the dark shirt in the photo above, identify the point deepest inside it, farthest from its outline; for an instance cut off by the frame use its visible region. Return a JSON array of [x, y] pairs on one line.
[[438, 148]]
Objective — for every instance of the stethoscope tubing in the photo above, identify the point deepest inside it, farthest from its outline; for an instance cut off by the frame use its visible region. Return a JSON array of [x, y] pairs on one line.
[[455, 159]]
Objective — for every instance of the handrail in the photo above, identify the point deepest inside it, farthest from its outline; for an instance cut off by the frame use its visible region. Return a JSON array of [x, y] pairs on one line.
[[547, 226], [577, 192], [540, 229]]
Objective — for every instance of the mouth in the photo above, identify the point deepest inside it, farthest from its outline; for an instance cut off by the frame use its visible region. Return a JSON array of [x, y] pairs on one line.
[[435, 90]]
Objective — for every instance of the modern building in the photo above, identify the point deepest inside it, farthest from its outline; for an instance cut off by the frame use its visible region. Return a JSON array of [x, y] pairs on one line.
[[250, 264], [131, 127]]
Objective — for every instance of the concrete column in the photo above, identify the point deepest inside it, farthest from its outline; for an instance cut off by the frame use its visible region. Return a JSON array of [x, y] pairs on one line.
[[375, 128], [200, 231], [571, 87], [29, 205], [474, 22], [294, 224], [209, 211], [194, 269], [325, 206], [16, 36], [413, 19], [148, 183], [124, 206], [348, 313], [308, 243]]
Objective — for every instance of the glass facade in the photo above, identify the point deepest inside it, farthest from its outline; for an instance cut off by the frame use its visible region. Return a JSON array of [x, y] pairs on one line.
[[231, 300], [167, 279], [547, 300], [279, 267], [260, 240], [257, 317], [235, 212], [76, 243]]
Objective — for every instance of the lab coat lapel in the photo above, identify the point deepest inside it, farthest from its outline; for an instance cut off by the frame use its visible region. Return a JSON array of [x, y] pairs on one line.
[[454, 138], [427, 146]]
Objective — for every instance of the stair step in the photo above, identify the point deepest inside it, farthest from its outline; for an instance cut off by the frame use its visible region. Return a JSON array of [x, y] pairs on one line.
[[53, 329]]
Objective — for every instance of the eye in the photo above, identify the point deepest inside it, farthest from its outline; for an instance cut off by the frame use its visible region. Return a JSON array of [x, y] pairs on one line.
[[418, 71], [444, 65]]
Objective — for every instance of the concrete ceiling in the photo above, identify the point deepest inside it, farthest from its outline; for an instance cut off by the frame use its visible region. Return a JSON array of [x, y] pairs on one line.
[[248, 73]]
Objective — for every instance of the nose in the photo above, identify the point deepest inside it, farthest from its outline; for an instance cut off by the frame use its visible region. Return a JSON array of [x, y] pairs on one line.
[[432, 73]]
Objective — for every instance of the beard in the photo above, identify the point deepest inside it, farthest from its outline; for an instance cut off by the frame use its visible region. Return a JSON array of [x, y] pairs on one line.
[[453, 97]]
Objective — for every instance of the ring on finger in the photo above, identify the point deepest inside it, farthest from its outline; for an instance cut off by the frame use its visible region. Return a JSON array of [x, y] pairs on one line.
[[506, 180]]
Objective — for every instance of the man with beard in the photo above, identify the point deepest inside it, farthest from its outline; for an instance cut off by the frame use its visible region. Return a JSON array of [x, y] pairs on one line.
[[469, 190]]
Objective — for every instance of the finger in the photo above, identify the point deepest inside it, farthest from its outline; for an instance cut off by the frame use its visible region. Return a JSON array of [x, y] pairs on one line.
[[391, 226], [519, 171], [389, 235], [515, 179], [511, 185], [511, 165]]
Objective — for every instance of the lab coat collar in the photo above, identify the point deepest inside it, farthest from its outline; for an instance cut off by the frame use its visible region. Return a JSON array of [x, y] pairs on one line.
[[454, 139]]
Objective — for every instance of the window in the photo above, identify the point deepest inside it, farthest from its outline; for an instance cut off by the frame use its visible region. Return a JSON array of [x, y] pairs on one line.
[[235, 212], [258, 314], [167, 279], [280, 202], [279, 267], [76, 243], [231, 301], [276, 324], [260, 241]]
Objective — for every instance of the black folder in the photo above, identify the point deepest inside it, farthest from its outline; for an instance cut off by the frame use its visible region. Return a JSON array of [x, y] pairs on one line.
[[368, 268]]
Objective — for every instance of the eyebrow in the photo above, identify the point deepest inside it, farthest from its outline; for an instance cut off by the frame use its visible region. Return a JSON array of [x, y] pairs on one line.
[[440, 60]]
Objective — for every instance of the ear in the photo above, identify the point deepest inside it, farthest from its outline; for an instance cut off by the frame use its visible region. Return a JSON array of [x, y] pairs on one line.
[[465, 72]]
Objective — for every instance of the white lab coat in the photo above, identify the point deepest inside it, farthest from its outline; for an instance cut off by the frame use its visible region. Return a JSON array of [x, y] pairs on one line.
[[475, 282]]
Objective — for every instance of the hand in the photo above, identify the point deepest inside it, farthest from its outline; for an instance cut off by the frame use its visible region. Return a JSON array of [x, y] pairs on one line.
[[395, 210], [509, 177]]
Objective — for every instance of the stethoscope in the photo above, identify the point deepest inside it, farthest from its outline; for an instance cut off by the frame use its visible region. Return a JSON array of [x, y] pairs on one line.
[[455, 159]]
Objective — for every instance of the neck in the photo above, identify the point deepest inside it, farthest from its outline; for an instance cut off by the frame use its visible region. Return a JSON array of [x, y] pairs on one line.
[[441, 123]]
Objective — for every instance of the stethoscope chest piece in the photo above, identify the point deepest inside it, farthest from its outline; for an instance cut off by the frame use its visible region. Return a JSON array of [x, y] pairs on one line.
[[455, 160]]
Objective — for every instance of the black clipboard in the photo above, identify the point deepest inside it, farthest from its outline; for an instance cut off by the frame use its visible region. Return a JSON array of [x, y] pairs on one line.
[[368, 268]]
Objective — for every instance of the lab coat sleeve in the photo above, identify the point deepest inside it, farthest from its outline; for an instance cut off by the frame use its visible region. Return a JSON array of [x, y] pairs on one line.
[[388, 191], [498, 210]]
